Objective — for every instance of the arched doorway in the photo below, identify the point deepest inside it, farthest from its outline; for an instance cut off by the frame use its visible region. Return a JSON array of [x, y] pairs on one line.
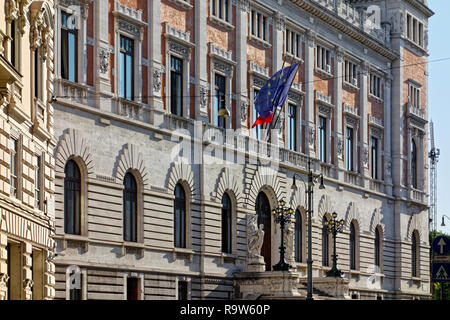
[[263, 213]]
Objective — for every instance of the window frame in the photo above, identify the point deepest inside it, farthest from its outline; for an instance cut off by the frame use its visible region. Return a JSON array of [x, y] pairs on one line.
[[227, 226], [292, 127], [375, 85], [414, 164], [76, 216], [180, 74], [325, 244], [218, 102], [124, 79], [66, 32], [38, 181], [180, 203], [227, 5], [295, 51], [14, 176], [350, 72], [131, 194], [374, 155], [323, 63], [322, 138], [350, 149], [259, 25]]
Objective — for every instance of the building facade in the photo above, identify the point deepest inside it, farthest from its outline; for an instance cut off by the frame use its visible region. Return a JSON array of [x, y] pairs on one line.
[[27, 220], [154, 188]]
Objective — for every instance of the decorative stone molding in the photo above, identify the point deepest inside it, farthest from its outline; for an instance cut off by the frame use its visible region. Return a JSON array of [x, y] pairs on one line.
[[203, 96], [311, 37], [157, 73], [350, 110], [376, 220], [104, 60], [339, 145], [181, 172], [178, 35], [352, 214], [130, 158], [244, 110], [323, 98], [73, 144], [223, 67], [339, 53], [280, 21], [352, 121], [326, 206], [181, 4], [297, 198], [374, 121], [227, 181], [259, 70], [311, 131], [365, 155], [415, 223], [376, 132], [265, 178], [221, 54]]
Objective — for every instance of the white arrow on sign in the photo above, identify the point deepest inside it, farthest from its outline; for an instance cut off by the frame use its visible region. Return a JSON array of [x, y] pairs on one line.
[[441, 274], [441, 244]]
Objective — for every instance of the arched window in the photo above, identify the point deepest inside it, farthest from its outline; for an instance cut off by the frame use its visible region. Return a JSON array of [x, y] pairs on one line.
[[377, 247], [129, 208], [414, 267], [352, 247], [413, 164], [226, 223], [325, 244], [263, 211], [298, 236], [72, 198], [180, 217]]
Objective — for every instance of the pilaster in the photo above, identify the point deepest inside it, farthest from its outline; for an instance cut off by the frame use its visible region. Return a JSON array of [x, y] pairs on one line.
[[364, 145], [242, 102], [339, 141], [155, 69], [387, 135], [102, 48], [4, 277], [277, 54], [201, 51], [49, 276], [27, 275], [310, 127]]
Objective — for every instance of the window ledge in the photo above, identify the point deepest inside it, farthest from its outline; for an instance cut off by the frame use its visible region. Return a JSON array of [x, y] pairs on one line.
[[128, 245], [183, 252], [221, 23], [323, 72], [228, 257], [377, 99], [182, 4], [350, 86], [75, 238], [259, 41], [294, 58]]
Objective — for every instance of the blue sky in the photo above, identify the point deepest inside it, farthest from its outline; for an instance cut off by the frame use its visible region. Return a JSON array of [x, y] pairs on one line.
[[438, 100]]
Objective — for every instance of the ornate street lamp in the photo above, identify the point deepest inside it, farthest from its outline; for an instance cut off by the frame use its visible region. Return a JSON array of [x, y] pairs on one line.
[[334, 226], [283, 216], [312, 178]]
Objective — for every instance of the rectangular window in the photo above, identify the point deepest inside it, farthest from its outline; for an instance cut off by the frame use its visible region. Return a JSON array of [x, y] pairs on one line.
[[256, 129], [37, 71], [349, 149], [408, 26], [12, 53], [421, 34], [74, 292], [219, 99], [414, 30], [323, 59], [183, 290], [292, 127], [69, 48], [414, 96], [293, 43], [176, 86], [258, 25], [350, 75], [126, 68], [375, 85], [221, 9], [323, 139], [133, 289], [374, 157], [37, 182], [13, 166]]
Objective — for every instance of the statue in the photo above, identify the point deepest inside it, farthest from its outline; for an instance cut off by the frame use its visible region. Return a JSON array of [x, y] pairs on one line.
[[255, 237], [289, 243]]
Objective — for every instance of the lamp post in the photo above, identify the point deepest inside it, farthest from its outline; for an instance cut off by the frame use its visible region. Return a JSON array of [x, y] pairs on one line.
[[283, 216], [443, 223], [309, 191], [334, 226]]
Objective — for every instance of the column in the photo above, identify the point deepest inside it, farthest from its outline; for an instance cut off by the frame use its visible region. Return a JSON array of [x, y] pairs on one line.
[[242, 99], [277, 58], [339, 138], [387, 135], [363, 143], [102, 50], [3, 267], [49, 276], [155, 69], [310, 127], [27, 275], [201, 54]]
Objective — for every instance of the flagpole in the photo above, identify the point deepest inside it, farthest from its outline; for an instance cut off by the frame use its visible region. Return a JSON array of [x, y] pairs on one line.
[[276, 107]]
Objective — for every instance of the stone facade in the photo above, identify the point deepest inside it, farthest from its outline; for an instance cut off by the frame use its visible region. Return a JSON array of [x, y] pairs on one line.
[[27, 145], [108, 136]]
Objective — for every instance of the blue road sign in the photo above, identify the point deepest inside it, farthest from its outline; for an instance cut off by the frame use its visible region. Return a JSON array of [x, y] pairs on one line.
[[441, 272], [441, 245]]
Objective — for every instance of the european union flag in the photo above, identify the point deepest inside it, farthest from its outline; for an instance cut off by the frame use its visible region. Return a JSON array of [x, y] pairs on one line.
[[273, 94]]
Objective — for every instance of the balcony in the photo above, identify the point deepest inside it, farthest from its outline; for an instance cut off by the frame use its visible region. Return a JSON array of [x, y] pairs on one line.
[[173, 122], [376, 185], [10, 82], [72, 91], [352, 178], [417, 113], [130, 109]]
